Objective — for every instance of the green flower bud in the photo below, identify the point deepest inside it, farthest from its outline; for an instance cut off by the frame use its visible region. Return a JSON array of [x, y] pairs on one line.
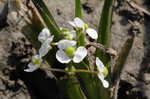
[[64, 30], [70, 51], [71, 70], [105, 71], [36, 61], [68, 36], [86, 26]]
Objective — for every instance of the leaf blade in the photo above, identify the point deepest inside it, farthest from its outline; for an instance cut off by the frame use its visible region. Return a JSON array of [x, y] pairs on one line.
[[78, 9]]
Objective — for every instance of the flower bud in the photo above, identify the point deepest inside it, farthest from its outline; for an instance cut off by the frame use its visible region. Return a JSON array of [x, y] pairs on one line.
[[86, 26], [105, 71]]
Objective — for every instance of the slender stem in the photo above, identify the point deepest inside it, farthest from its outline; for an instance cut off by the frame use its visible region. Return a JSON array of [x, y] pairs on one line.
[[76, 71], [86, 71], [97, 45]]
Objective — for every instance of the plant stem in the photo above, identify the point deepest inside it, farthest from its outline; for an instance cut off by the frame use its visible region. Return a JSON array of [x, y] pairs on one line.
[[65, 71]]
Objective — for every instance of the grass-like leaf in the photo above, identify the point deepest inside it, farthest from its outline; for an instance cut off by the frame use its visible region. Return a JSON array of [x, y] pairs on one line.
[[88, 82], [78, 9], [104, 29], [72, 85], [48, 18], [104, 37]]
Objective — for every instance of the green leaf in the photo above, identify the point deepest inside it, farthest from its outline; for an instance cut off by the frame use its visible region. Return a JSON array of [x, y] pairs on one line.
[[43, 6], [88, 82], [104, 37], [78, 9], [72, 85], [104, 29], [48, 18]]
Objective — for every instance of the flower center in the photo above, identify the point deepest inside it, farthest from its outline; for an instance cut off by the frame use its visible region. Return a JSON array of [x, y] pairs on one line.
[[86, 26], [105, 71], [36, 61], [70, 51]]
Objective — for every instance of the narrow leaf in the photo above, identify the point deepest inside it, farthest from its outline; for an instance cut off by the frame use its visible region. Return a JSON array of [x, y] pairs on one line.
[[88, 82], [48, 19], [104, 37], [104, 29], [78, 9], [72, 85]]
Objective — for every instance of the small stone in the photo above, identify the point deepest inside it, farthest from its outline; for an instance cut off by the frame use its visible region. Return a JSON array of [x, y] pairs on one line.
[[2, 86], [147, 77]]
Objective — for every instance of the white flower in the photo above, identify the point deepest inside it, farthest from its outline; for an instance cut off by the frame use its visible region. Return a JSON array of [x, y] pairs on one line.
[[45, 38], [102, 72], [34, 64], [68, 51], [45, 47], [44, 35], [78, 23]]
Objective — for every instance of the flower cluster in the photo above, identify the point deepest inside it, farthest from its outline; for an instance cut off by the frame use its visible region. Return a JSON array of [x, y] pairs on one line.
[[68, 48], [45, 38]]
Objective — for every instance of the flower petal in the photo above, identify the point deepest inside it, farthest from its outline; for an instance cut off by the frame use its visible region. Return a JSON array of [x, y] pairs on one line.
[[62, 57], [92, 33], [80, 54], [104, 82], [99, 64], [63, 44], [44, 34], [72, 23], [31, 68], [45, 47], [79, 23]]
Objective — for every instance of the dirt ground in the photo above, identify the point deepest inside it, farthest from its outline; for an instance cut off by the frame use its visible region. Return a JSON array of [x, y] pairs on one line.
[[16, 50]]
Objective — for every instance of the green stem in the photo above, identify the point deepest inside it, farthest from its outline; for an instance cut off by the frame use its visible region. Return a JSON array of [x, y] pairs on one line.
[[65, 71], [78, 9]]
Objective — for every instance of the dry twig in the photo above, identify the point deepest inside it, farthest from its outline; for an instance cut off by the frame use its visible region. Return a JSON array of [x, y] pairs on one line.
[[136, 6]]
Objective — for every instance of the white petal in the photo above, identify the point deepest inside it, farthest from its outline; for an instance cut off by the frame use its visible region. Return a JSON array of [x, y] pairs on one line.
[[79, 23], [63, 44], [62, 57], [104, 82], [44, 34], [45, 47], [31, 68], [72, 23], [99, 64], [80, 54], [92, 33]]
